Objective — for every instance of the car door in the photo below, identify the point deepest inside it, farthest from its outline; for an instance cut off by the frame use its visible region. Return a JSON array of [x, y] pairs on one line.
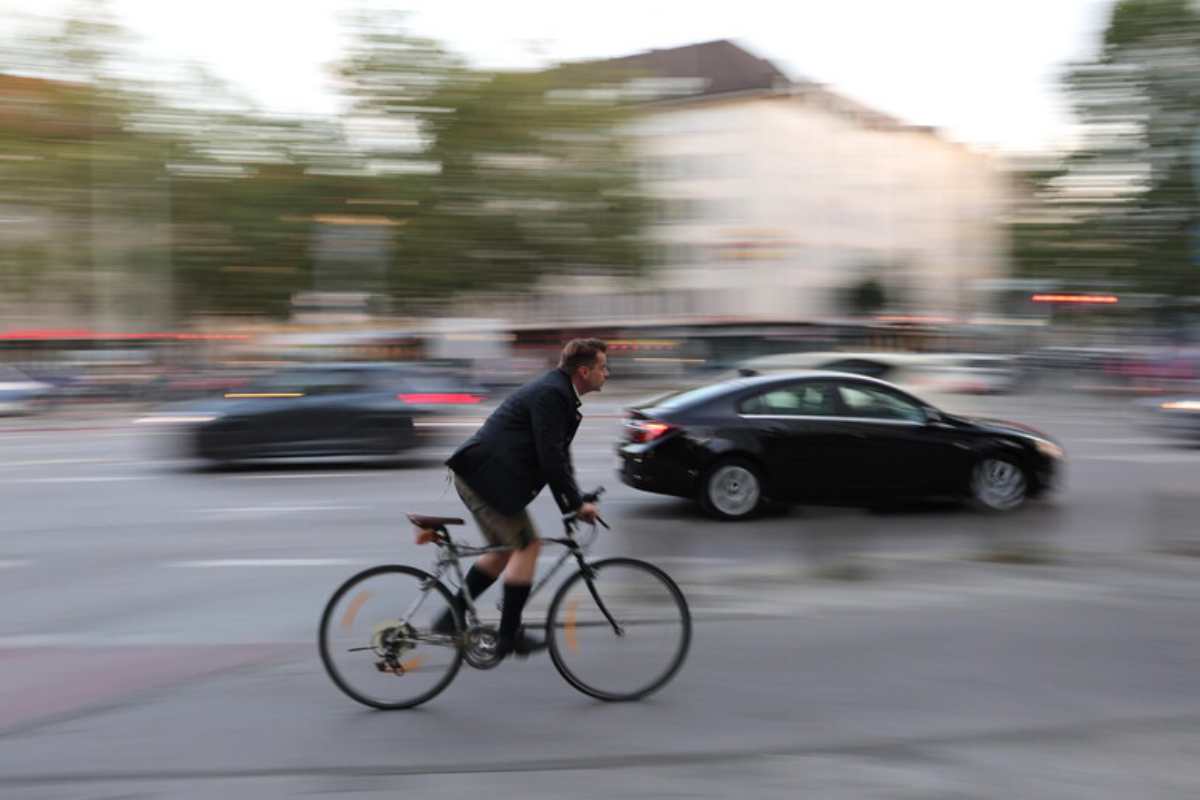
[[264, 420], [331, 411], [800, 437], [894, 449]]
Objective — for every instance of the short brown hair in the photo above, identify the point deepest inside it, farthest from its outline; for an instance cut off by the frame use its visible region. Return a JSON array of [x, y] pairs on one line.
[[580, 353]]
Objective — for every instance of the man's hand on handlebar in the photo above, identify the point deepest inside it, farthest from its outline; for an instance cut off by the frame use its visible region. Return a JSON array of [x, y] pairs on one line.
[[587, 512]]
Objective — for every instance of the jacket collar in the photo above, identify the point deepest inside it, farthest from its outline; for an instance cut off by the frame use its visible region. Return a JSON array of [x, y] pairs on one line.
[[571, 383]]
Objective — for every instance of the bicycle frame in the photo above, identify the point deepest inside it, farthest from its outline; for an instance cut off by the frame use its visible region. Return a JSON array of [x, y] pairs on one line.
[[450, 555]]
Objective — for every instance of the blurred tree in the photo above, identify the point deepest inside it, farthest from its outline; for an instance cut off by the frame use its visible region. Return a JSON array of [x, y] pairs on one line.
[[509, 176], [68, 156], [1125, 209], [865, 297], [156, 201], [181, 198]]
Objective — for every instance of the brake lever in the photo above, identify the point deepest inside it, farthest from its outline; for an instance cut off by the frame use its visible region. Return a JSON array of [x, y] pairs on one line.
[[603, 524]]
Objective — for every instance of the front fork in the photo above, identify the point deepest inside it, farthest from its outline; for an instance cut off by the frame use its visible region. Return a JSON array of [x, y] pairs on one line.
[[589, 575]]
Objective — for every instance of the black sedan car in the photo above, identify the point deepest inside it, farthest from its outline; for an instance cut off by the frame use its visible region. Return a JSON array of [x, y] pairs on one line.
[[320, 410], [826, 438]]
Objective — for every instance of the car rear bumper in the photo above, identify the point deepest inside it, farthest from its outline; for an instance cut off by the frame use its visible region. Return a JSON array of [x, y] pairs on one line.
[[645, 469]]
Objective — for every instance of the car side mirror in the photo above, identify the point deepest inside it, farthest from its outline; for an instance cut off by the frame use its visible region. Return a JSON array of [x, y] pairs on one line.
[[934, 417]]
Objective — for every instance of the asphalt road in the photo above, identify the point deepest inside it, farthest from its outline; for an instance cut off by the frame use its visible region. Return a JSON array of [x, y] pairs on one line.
[[158, 626]]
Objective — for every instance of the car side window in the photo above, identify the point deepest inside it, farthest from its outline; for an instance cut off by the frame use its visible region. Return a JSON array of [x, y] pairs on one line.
[[872, 402], [331, 383], [810, 399]]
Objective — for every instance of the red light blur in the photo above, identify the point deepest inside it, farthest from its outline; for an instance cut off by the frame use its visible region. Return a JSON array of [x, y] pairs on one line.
[[440, 399], [642, 431], [1096, 299]]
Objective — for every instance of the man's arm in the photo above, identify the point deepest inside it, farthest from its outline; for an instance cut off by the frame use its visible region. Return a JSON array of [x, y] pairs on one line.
[[550, 418]]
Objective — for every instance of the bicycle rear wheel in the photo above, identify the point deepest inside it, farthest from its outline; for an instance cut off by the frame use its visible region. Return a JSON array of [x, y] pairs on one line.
[[635, 652], [375, 637]]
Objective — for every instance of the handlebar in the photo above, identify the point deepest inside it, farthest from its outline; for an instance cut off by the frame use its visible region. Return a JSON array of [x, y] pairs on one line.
[[590, 497], [594, 495]]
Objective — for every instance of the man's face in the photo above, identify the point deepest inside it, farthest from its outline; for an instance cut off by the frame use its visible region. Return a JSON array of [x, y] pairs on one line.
[[595, 375]]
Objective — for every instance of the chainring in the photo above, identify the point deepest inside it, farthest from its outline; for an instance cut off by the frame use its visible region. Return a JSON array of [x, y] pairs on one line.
[[480, 646]]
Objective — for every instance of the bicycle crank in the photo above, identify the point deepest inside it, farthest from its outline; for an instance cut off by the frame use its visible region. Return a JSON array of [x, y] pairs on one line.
[[480, 647]]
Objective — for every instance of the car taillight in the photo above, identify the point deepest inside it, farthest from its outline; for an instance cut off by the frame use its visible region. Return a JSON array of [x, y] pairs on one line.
[[644, 430], [440, 399]]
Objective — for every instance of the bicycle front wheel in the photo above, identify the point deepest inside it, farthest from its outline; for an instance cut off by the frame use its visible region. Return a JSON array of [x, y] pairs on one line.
[[620, 634], [376, 639]]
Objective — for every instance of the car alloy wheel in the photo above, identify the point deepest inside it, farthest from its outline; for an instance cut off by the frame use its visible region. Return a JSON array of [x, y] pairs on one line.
[[998, 484], [733, 490]]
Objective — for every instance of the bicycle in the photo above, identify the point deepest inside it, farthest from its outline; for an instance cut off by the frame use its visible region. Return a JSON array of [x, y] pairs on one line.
[[377, 644]]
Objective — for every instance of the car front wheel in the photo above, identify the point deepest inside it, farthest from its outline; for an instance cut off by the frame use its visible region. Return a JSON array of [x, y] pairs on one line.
[[731, 490], [998, 484]]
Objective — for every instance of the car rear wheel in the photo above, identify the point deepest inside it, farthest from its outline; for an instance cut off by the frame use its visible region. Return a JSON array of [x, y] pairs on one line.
[[732, 489], [998, 484]]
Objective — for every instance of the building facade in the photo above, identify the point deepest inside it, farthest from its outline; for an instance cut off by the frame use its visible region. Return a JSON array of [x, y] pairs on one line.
[[782, 200]]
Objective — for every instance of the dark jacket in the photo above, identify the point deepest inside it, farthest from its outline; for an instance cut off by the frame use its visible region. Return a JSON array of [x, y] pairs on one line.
[[524, 445]]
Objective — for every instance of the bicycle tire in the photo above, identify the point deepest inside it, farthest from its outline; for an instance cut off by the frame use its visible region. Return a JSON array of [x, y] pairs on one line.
[[553, 626], [346, 686]]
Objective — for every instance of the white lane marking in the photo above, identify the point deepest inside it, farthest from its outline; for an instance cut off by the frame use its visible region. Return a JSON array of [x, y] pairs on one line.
[[93, 639], [277, 509], [1148, 458], [221, 563], [447, 424], [51, 461], [304, 475], [13, 563], [81, 479]]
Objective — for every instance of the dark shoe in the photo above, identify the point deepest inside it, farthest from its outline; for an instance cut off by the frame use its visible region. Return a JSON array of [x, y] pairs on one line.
[[523, 646]]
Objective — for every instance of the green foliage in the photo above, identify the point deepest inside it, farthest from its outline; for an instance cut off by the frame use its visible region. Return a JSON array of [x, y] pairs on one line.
[[866, 297], [440, 178], [1125, 210], [532, 178]]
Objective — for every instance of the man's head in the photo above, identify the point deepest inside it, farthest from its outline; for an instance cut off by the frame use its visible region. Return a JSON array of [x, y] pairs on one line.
[[586, 361]]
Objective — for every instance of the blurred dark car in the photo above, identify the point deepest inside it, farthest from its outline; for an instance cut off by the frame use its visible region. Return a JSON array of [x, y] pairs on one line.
[[326, 410], [826, 438], [21, 394], [1175, 416]]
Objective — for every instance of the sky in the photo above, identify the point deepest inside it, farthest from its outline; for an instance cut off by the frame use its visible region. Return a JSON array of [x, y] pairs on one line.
[[985, 71]]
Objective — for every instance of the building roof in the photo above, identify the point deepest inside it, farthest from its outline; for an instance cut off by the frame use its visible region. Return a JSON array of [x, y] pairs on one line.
[[721, 67]]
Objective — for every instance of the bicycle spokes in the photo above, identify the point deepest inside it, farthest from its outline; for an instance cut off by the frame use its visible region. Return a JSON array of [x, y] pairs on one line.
[[377, 642], [621, 634]]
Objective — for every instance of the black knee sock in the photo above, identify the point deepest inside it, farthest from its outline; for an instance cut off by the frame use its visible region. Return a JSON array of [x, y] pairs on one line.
[[475, 583], [515, 596]]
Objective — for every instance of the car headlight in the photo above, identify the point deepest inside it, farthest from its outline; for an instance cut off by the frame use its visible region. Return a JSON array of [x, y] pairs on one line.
[[1181, 405], [1049, 449]]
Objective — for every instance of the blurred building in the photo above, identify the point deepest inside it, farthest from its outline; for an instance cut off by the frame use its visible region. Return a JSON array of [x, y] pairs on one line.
[[785, 200]]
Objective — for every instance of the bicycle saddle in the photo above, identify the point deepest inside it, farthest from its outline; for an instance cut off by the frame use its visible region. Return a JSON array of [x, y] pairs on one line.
[[432, 523]]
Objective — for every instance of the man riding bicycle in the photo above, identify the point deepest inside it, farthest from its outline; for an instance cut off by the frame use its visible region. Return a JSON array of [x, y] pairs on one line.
[[521, 447]]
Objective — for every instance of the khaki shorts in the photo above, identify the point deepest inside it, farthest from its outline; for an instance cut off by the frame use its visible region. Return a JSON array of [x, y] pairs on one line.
[[514, 531]]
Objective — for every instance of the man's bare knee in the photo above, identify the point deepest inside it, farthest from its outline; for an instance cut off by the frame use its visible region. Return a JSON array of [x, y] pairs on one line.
[[523, 564], [493, 563]]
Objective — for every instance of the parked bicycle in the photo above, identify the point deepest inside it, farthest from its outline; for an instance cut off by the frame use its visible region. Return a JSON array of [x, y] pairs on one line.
[[617, 629]]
